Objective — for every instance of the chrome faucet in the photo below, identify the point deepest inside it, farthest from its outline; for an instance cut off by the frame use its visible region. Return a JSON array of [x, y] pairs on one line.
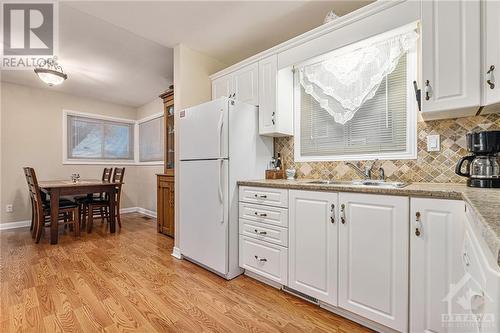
[[367, 174]]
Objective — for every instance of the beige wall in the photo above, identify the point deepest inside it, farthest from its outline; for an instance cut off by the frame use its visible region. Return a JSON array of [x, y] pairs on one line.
[[192, 86], [31, 134], [146, 174]]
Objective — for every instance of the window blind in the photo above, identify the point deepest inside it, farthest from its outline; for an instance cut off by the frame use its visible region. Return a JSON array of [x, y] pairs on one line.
[[151, 143], [98, 139], [379, 126]]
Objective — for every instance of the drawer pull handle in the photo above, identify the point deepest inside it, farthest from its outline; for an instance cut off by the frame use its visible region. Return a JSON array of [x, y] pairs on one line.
[[262, 196], [491, 80], [260, 259], [260, 232], [260, 214], [466, 259]]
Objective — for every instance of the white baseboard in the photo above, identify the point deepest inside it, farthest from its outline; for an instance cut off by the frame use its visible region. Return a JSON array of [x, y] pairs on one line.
[[27, 223], [176, 253], [15, 225]]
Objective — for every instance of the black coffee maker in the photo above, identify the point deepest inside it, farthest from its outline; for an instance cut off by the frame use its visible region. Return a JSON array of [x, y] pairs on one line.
[[482, 168]]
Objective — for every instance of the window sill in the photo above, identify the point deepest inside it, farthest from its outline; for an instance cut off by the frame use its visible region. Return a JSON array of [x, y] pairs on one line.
[[112, 162]]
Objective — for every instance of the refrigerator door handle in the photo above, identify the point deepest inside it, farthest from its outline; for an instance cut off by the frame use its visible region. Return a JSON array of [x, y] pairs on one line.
[[221, 167], [219, 128], [221, 194]]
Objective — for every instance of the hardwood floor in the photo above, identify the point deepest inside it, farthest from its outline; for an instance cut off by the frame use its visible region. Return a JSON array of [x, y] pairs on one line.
[[129, 282]]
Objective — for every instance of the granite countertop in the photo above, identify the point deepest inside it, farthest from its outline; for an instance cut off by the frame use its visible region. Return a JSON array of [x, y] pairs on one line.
[[484, 202]]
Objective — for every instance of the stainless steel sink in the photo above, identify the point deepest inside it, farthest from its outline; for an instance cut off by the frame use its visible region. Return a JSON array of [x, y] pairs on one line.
[[379, 183], [330, 182], [367, 182]]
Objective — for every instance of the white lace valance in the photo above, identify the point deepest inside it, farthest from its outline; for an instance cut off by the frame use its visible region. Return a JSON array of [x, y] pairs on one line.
[[344, 80]]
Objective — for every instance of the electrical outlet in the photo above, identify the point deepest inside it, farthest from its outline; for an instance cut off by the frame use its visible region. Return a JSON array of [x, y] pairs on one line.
[[433, 142], [9, 208]]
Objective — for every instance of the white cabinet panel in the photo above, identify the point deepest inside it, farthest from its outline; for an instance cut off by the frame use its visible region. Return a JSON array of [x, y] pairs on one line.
[[222, 87], [246, 85], [491, 52], [265, 232], [313, 244], [435, 237], [373, 257], [267, 260], [450, 58], [264, 196], [264, 214], [275, 98]]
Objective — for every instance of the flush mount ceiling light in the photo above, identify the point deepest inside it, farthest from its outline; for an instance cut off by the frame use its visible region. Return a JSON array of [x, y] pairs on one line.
[[51, 72]]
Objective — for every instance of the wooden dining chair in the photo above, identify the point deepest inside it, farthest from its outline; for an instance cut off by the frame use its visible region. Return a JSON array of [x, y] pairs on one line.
[[100, 206], [83, 201], [68, 210]]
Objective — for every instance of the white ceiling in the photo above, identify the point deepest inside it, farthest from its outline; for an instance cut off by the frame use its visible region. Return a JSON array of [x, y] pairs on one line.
[[121, 51], [105, 62]]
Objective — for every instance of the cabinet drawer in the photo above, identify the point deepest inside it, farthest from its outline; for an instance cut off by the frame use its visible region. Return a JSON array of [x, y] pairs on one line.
[[265, 232], [264, 196], [267, 260], [264, 214]]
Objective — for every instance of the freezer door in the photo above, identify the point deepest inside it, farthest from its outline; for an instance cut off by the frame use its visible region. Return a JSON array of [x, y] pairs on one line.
[[204, 213], [203, 131]]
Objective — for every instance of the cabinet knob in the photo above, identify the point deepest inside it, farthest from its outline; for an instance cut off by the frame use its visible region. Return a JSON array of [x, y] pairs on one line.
[[491, 79]]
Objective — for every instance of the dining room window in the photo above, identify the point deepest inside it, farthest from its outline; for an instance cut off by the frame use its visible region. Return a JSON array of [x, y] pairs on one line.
[[94, 138], [151, 142]]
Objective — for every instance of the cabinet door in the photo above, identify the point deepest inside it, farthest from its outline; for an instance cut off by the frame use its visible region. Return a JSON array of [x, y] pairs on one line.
[[373, 257], [491, 51], [246, 85], [312, 244], [222, 87], [450, 58], [268, 69], [435, 237]]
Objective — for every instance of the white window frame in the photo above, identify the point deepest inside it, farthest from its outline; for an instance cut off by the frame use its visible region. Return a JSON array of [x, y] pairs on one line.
[[75, 161], [411, 123], [136, 138]]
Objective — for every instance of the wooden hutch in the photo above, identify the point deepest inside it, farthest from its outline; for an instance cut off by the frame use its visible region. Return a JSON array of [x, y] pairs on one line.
[[166, 180]]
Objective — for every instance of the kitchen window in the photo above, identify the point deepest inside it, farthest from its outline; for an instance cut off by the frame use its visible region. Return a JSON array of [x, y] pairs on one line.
[[374, 116], [95, 138]]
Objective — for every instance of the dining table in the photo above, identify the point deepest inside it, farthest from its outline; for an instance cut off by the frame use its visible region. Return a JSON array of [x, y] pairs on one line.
[[57, 188]]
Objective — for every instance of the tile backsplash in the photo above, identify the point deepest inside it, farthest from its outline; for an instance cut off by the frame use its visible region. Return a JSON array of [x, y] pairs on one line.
[[436, 167]]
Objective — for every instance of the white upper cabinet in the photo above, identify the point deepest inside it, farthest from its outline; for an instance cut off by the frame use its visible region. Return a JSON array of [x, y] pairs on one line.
[[435, 237], [491, 52], [246, 85], [241, 85], [373, 257], [275, 98], [450, 58], [222, 87], [313, 244]]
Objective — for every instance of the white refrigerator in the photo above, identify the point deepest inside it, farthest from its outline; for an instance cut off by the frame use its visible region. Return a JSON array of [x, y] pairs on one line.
[[219, 144]]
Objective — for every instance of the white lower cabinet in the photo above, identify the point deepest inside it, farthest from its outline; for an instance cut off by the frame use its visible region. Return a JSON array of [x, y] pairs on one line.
[[436, 234], [373, 257], [313, 244], [263, 258]]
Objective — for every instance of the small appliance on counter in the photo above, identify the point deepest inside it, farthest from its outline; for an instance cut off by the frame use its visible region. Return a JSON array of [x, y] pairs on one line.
[[483, 167]]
